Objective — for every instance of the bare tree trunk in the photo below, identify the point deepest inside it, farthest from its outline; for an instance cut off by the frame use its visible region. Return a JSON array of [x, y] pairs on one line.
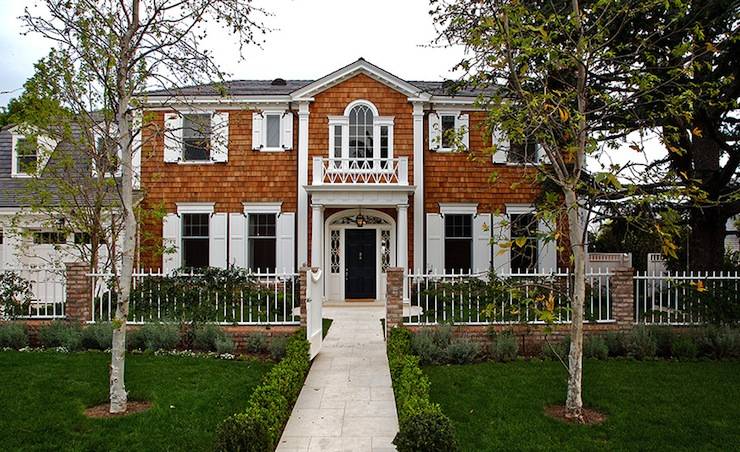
[[118, 395], [574, 400]]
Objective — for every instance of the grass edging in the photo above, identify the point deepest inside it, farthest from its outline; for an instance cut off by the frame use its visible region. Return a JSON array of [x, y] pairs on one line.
[[259, 427], [422, 425]]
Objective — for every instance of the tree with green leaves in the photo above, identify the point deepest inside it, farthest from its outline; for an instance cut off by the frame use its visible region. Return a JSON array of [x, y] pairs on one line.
[[107, 54], [552, 80]]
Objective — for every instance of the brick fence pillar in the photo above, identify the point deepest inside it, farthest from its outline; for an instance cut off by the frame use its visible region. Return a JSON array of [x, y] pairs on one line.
[[394, 298], [78, 292], [623, 296], [302, 284]]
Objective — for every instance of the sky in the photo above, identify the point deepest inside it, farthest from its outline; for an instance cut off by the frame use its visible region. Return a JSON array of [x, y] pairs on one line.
[[309, 39]]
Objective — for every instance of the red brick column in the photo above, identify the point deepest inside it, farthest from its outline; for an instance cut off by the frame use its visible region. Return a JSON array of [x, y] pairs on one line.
[[623, 297], [394, 298], [302, 284], [78, 291]]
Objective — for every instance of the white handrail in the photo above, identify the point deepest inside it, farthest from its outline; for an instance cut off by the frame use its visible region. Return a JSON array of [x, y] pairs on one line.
[[360, 171]]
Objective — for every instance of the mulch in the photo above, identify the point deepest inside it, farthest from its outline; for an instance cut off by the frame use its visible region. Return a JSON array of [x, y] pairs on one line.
[[590, 416], [102, 411]]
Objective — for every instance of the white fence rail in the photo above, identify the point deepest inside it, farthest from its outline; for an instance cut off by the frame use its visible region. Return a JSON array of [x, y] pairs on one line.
[[684, 298], [265, 298], [48, 292], [469, 299]]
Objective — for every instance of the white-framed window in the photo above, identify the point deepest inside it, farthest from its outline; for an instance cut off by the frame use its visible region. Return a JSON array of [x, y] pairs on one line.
[[195, 239], [443, 125], [262, 241], [458, 239], [458, 243], [522, 241], [25, 156], [527, 152], [196, 137], [361, 134], [107, 153], [272, 130], [49, 238]]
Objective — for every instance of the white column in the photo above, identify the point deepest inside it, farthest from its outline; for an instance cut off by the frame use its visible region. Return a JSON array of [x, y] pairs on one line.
[[403, 244], [317, 235], [418, 116], [302, 214]]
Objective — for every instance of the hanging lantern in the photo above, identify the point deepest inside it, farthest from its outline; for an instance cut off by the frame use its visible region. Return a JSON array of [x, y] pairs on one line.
[[360, 220]]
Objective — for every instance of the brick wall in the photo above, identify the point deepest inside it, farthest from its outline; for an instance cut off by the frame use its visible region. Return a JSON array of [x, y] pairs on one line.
[[79, 292], [248, 176], [394, 298]]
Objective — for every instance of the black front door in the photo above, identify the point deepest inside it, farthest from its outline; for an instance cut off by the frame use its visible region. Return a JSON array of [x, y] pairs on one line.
[[359, 259]]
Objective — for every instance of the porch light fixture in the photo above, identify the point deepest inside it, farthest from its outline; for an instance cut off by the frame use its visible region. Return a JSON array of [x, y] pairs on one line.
[[360, 220]]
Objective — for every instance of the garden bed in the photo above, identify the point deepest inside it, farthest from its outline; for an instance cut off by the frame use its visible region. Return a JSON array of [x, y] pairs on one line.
[[650, 405], [45, 394]]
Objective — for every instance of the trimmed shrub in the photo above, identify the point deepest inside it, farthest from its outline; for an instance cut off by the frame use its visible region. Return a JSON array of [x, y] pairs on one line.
[[225, 344], [61, 334], [504, 347], [640, 343], [98, 336], [684, 347], [556, 349], [256, 343], [154, 336], [595, 347], [258, 428], [278, 346], [462, 351], [616, 342], [422, 425], [13, 335]]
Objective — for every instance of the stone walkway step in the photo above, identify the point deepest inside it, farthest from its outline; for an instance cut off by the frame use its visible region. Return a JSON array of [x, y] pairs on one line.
[[346, 403]]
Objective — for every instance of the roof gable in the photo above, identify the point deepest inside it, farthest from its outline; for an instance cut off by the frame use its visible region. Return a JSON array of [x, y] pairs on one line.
[[361, 66]]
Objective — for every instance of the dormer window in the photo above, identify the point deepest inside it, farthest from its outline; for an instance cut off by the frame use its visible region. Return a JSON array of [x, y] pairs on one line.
[[26, 156], [107, 154], [361, 135]]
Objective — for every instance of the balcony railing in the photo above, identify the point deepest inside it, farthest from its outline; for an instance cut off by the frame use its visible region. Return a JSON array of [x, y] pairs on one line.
[[327, 171]]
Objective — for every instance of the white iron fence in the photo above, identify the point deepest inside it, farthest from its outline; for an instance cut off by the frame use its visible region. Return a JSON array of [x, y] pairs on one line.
[[47, 286], [685, 298], [474, 299], [258, 299]]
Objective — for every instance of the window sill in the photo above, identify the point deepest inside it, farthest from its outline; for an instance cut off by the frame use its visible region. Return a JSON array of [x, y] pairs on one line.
[[196, 162], [21, 175], [272, 150]]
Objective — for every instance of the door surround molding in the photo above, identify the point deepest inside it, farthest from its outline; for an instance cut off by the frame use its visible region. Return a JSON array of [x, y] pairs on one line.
[[334, 282]]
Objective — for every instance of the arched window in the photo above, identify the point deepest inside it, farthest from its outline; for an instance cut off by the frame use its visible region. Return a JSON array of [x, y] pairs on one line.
[[361, 132]]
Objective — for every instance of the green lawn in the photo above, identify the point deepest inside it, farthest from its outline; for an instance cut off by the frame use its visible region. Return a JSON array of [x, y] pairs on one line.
[[655, 405], [43, 395]]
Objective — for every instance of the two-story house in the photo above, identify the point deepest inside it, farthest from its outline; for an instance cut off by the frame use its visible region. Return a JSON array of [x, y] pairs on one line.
[[352, 172]]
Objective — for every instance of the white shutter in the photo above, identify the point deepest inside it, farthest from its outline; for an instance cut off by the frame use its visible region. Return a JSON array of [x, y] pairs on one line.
[[172, 137], [217, 240], [286, 129], [284, 260], [502, 144], [135, 157], [462, 122], [257, 138], [501, 232], [220, 137], [237, 240], [547, 250], [541, 156], [482, 242], [435, 243], [171, 242], [435, 127]]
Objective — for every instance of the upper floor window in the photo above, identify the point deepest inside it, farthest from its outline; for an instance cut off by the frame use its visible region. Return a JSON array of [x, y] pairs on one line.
[[361, 134], [525, 152], [25, 155], [272, 130], [448, 130], [108, 155], [196, 137]]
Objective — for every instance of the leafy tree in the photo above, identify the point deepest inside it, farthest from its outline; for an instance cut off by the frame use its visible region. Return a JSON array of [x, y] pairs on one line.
[[694, 72], [550, 75], [107, 53]]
